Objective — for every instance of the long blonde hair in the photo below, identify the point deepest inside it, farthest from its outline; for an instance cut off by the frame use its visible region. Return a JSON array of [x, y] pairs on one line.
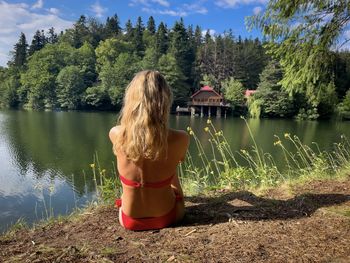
[[144, 117]]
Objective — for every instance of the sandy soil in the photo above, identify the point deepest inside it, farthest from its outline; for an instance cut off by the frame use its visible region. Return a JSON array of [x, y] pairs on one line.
[[309, 223]]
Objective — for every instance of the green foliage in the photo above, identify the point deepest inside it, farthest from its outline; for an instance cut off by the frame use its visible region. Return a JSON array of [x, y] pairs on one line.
[[344, 107], [70, 82], [150, 60], [255, 106], [115, 77], [169, 68], [108, 51], [97, 97], [39, 81], [9, 84], [208, 80], [20, 52], [270, 77], [269, 101], [300, 35], [233, 91]]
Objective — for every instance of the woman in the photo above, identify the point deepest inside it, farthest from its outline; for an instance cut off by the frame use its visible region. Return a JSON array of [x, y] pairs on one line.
[[148, 153]]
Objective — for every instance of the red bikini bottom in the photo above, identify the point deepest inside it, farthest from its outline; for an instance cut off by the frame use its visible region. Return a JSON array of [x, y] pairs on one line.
[[148, 223]]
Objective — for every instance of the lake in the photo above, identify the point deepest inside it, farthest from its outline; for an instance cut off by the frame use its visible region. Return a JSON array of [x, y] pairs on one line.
[[45, 156]]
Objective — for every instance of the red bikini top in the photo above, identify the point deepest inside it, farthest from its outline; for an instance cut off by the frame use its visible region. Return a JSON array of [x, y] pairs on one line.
[[160, 184]]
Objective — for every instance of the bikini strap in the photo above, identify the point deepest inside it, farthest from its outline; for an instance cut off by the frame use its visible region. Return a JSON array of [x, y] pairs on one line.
[[160, 184]]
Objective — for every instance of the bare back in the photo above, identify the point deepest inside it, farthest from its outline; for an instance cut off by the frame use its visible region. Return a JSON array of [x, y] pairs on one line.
[[150, 202]]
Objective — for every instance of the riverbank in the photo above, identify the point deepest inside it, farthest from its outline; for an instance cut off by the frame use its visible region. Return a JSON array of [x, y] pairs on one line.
[[309, 222]]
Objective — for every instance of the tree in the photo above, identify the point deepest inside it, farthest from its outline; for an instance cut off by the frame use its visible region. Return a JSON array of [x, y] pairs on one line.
[[300, 35], [52, 36], [112, 27], [80, 32], [9, 84], [108, 51], [180, 48], [151, 25], [270, 77], [39, 81], [129, 31], [176, 80], [115, 77], [233, 91], [162, 39], [150, 60], [38, 42], [138, 37], [71, 85], [19, 57], [270, 100]]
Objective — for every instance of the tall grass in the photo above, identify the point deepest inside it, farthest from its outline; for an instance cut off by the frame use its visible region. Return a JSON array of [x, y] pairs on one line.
[[259, 169]]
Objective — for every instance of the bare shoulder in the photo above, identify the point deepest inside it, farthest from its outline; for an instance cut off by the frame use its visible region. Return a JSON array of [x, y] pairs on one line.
[[113, 133], [179, 136]]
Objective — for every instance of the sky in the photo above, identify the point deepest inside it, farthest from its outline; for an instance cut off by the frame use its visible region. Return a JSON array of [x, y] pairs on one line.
[[27, 16]]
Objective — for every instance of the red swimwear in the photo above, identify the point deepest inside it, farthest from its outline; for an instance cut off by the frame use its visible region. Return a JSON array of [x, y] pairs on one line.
[[148, 223]]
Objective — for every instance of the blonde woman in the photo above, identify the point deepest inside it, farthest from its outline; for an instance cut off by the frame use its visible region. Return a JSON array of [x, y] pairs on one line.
[[148, 153]]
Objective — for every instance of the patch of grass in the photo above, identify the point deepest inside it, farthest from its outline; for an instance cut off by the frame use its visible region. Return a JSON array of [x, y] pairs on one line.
[[19, 225], [340, 210]]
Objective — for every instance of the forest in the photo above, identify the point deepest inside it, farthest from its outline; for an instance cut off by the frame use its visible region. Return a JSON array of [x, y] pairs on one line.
[[88, 67]]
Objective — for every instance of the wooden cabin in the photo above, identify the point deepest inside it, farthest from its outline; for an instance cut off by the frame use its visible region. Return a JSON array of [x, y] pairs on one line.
[[206, 101]]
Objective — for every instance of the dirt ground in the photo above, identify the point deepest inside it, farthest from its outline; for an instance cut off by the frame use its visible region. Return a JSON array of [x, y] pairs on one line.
[[309, 223]]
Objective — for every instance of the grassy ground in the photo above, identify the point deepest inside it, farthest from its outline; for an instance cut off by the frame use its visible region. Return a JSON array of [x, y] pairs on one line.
[[299, 222]]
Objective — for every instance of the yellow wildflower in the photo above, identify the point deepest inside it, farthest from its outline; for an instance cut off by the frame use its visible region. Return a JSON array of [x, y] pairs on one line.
[[92, 165], [208, 121], [286, 135], [277, 143], [189, 128], [191, 132], [206, 129]]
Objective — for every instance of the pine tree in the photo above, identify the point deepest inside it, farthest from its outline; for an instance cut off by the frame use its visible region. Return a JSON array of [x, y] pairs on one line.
[[180, 48], [52, 38], [20, 52], [129, 31], [38, 42], [112, 27], [162, 39], [80, 32], [137, 38], [151, 26]]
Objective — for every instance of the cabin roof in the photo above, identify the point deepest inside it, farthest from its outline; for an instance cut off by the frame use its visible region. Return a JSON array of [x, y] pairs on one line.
[[205, 88], [249, 92]]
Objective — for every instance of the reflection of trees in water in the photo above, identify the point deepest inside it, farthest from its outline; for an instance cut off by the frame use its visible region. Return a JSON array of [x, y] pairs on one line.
[[60, 143]]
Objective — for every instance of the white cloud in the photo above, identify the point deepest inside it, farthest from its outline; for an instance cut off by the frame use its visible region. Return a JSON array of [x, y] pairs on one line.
[[181, 11], [39, 4], [54, 11], [148, 3], [162, 2], [17, 18], [235, 3], [98, 9], [172, 13], [257, 10], [197, 8]]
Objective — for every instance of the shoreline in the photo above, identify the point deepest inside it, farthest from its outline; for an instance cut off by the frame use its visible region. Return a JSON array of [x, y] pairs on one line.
[[311, 218]]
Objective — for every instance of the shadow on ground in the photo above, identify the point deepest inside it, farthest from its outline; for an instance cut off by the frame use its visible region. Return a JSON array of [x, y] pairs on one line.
[[245, 205]]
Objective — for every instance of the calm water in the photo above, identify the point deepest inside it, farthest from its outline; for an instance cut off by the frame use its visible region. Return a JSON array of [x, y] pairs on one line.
[[45, 156]]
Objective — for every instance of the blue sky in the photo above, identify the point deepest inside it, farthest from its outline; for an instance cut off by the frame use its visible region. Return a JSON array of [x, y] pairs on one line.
[[29, 15]]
